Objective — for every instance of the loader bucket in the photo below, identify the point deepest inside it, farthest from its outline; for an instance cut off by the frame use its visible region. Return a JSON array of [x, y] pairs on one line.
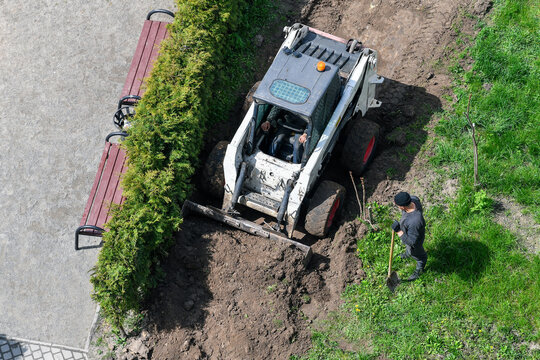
[[245, 225]]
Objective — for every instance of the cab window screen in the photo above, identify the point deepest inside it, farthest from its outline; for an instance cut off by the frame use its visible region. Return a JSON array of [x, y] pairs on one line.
[[290, 92], [262, 113]]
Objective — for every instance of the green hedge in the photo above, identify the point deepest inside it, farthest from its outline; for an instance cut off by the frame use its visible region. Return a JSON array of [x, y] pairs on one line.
[[187, 87]]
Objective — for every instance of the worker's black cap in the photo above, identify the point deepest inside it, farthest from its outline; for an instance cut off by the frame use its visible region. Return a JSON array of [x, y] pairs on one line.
[[402, 199]]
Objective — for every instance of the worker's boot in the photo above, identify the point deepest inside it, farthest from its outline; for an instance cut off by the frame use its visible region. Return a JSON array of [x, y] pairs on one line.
[[415, 275], [404, 255]]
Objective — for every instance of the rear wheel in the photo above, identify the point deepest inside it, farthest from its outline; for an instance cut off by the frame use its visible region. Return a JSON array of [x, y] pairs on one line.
[[360, 145], [213, 178], [324, 208]]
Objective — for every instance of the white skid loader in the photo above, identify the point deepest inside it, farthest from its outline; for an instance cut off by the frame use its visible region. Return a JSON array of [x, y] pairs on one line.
[[322, 81]]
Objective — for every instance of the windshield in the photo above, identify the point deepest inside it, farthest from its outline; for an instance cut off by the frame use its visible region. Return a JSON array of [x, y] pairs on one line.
[[284, 90]]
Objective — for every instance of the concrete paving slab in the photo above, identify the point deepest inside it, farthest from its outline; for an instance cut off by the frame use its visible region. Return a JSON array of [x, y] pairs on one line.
[[62, 67], [18, 349]]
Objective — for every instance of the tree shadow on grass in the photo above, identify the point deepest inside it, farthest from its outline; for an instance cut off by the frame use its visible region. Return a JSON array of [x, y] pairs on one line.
[[466, 258]]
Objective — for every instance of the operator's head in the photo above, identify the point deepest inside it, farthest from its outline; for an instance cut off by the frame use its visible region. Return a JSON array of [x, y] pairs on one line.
[[402, 199]]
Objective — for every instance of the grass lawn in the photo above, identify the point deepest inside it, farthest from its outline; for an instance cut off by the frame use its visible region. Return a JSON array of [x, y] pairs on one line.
[[480, 295], [504, 84]]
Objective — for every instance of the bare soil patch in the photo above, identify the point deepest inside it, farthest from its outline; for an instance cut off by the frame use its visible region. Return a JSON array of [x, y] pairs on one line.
[[513, 216], [230, 295]]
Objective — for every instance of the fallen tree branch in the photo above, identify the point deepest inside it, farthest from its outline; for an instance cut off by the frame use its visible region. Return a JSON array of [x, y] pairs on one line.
[[356, 192], [473, 127], [364, 214], [359, 203]]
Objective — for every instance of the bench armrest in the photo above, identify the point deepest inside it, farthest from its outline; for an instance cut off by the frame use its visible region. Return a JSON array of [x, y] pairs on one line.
[[163, 11], [116, 133], [126, 110], [95, 231], [128, 100]]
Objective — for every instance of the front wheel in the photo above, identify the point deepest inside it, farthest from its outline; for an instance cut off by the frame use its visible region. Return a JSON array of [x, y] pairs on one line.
[[324, 208], [360, 145]]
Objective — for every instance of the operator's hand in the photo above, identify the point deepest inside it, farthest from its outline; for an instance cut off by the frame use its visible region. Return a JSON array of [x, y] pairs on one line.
[[395, 226], [303, 138], [265, 126]]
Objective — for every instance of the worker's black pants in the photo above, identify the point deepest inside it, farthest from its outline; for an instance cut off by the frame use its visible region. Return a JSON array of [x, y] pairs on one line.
[[418, 254]]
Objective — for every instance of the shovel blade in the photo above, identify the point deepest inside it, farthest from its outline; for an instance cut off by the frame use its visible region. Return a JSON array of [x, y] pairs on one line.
[[392, 281]]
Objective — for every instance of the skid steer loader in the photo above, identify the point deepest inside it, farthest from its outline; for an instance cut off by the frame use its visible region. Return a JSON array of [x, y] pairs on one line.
[[321, 81]]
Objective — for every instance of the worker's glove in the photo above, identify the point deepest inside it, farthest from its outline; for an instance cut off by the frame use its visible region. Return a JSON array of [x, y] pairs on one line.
[[395, 226]]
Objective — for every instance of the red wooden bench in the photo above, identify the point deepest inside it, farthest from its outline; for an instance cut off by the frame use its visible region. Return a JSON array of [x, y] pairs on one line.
[[106, 189], [152, 34]]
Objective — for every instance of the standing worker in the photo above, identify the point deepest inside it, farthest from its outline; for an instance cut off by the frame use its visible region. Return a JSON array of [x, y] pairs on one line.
[[412, 230]]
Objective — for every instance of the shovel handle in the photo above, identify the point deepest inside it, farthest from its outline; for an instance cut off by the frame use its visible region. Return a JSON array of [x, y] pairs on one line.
[[391, 254]]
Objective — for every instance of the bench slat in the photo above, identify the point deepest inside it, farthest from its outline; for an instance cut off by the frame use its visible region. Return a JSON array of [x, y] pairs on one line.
[[145, 59], [147, 51], [117, 196], [136, 59], [92, 196], [113, 186], [103, 185], [161, 34]]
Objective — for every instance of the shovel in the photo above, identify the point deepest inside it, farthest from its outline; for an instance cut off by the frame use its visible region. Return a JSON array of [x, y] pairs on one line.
[[392, 281]]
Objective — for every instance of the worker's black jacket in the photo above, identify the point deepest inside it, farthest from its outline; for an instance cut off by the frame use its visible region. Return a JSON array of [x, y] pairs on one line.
[[413, 226]]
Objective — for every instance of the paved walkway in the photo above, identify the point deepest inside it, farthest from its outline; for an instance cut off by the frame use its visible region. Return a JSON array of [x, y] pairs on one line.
[[30, 350], [62, 67]]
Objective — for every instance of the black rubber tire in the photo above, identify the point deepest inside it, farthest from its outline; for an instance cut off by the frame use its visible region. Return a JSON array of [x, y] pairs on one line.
[[318, 216], [360, 133], [213, 178]]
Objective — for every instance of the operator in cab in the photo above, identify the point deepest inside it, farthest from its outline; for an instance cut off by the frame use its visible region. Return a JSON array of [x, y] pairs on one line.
[[289, 132]]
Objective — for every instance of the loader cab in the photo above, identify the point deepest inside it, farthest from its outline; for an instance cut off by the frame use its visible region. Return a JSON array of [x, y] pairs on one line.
[[296, 85]]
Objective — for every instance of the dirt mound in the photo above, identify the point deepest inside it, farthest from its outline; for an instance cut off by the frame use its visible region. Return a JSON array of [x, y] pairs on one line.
[[230, 295]]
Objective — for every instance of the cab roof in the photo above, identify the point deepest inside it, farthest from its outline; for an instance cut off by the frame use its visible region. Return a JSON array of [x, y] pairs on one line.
[[293, 82]]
